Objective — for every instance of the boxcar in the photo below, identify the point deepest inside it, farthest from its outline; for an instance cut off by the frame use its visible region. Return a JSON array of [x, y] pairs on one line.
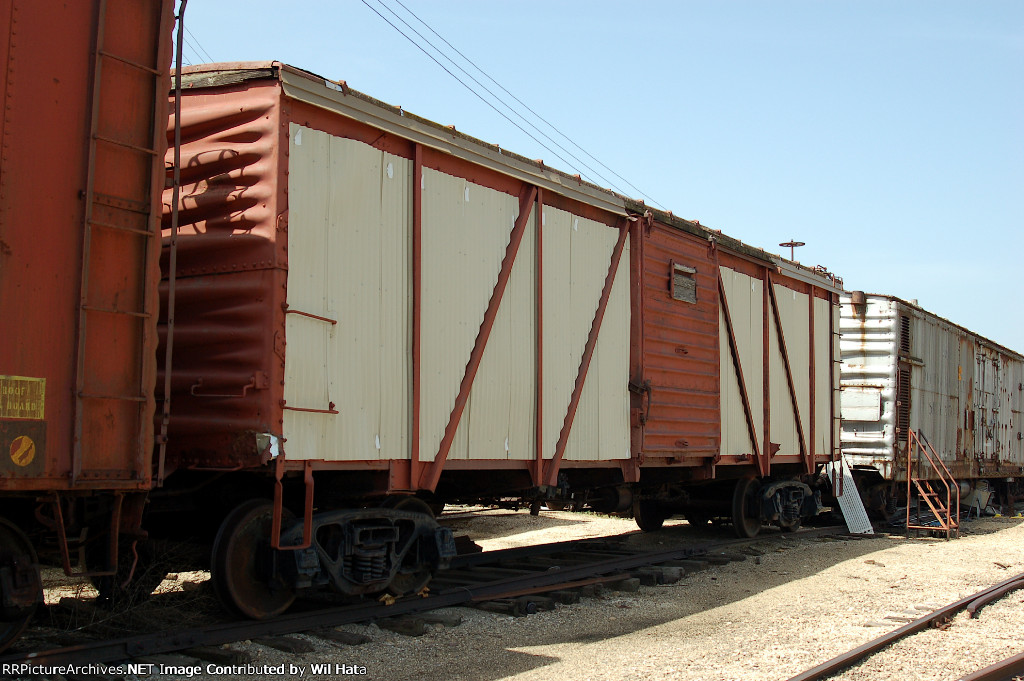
[[376, 309], [85, 109], [903, 369]]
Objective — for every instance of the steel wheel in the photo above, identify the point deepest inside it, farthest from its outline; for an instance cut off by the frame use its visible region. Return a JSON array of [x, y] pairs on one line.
[[647, 515], [18, 559], [745, 519], [241, 553], [410, 579]]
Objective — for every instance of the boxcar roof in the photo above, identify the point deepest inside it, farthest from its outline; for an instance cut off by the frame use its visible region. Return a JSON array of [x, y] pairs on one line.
[[338, 96], [973, 334]]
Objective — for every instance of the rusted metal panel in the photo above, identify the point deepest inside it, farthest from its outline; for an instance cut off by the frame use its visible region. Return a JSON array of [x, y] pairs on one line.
[[229, 365], [229, 205], [82, 150], [230, 336]]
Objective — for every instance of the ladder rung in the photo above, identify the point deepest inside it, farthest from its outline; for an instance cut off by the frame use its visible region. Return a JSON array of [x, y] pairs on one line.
[[124, 398], [127, 145], [141, 315], [129, 62], [118, 228], [122, 203]]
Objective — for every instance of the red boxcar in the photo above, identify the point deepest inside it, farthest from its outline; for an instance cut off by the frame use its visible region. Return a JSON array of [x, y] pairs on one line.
[[84, 112], [374, 306]]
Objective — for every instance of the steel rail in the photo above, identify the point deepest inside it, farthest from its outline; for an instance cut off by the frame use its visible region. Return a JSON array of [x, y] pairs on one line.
[[218, 634], [980, 602], [1000, 671], [934, 618], [165, 642]]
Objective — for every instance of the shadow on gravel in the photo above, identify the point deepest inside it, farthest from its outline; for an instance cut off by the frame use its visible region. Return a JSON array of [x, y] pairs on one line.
[[774, 559]]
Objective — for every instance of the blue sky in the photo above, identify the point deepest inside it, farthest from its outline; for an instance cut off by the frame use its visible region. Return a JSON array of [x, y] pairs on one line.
[[887, 135]]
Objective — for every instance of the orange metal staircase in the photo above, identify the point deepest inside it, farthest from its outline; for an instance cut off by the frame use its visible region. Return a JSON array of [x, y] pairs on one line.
[[934, 485]]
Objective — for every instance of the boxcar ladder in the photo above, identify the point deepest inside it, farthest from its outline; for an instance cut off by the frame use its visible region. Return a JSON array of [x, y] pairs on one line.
[[934, 485], [113, 206]]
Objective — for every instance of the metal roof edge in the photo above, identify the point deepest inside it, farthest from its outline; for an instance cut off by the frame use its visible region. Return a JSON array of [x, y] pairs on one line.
[[807, 275], [975, 334], [338, 97], [697, 229]]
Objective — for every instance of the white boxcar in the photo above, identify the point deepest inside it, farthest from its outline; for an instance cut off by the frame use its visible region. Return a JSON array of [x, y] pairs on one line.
[[906, 368]]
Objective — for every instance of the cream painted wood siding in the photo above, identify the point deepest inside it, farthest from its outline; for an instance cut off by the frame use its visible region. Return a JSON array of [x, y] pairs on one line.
[[746, 308], [466, 229], [577, 253], [795, 316], [823, 397], [349, 239], [349, 259]]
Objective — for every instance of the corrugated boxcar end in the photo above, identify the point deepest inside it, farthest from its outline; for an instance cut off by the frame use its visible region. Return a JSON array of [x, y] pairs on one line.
[[229, 342], [89, 260], [868, 387]]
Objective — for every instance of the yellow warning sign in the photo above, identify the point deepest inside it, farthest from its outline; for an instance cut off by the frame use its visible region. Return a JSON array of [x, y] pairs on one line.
[[23, 451], [22, 397]]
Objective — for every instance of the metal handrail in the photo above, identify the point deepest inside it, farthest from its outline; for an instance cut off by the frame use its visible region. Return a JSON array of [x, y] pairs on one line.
[[944, 476]]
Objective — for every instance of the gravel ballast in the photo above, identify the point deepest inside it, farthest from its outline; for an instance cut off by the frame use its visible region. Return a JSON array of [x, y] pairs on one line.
[[791, 605]]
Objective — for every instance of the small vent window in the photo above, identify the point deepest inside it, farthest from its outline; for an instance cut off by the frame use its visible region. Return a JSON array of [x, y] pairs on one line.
[[905, 334], [684, 283], [903, 402]]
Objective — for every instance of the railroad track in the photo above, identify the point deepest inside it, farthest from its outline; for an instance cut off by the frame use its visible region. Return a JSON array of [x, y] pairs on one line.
[[510, 580], [1001, 671]]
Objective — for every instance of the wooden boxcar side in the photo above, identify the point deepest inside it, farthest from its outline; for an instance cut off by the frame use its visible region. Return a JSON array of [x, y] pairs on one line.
[[398, 330], [733, 358]]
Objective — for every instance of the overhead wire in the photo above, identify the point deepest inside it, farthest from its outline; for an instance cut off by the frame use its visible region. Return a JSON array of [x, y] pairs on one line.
[[462, 82], [578, 162], [205, 55], [496, 97], [526, 106], [196, 53]]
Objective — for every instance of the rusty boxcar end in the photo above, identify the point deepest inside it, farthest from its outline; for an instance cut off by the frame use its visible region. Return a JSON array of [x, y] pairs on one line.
[[80, 174]]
